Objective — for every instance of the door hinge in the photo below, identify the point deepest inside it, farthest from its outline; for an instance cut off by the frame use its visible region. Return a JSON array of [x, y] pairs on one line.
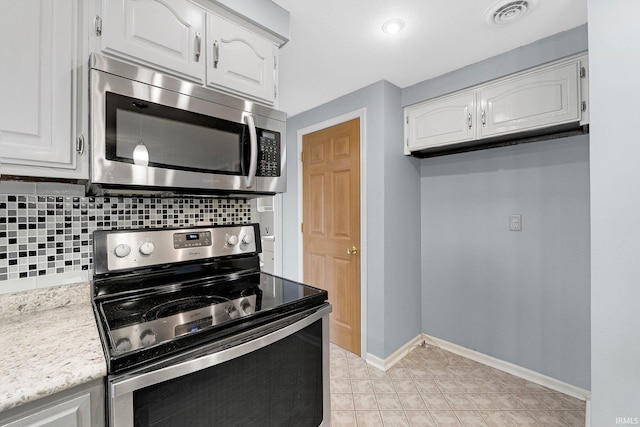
[[584, 105], [98, 24], [407, 119], [275, 91], [302, 227], [275, 62], [302, 156], [583, 72]]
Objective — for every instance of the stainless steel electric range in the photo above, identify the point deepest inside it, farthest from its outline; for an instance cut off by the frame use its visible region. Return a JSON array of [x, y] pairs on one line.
[[195, 334]]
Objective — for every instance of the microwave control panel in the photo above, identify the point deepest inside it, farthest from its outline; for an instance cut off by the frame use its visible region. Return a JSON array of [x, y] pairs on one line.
[[268, 154]]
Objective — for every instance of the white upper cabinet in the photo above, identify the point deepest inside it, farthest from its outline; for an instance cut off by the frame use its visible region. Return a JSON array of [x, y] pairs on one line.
[[240, 61], [444, 121], [552, 96], [546, 98], [204, 43], [164, 34], [41, 87]]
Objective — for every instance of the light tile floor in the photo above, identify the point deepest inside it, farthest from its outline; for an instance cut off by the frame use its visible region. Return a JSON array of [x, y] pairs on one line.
[[432, 387]]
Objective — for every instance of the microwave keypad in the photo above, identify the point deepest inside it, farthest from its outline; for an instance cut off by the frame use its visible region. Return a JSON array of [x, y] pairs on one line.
[[269, 160]]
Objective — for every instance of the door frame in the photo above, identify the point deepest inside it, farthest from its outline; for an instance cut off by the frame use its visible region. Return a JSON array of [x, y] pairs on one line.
[[356, 114]]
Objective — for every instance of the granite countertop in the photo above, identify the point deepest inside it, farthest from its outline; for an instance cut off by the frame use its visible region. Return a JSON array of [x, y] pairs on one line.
[[49, 342]]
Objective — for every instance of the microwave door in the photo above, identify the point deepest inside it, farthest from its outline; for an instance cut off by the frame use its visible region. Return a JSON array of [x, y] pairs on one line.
[[152, 133]]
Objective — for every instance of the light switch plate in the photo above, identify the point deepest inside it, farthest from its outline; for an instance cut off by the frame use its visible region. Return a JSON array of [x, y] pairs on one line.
[[515, 222]]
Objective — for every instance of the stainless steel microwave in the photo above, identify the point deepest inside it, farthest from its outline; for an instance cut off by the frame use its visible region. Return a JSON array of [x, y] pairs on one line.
[[153, 133]]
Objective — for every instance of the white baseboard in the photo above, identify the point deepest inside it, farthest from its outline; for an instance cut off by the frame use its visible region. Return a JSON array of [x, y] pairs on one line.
[[510, 368], [386, 364]]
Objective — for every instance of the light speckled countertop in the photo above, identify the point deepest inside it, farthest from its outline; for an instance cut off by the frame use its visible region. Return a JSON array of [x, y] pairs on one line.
[[49, 342]]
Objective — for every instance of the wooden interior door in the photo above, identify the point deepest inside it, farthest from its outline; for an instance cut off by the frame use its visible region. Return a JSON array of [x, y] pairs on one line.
[[331, 224]]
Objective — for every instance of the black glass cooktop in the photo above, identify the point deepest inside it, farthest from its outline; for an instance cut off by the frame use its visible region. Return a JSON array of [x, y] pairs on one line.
[[177, 316]]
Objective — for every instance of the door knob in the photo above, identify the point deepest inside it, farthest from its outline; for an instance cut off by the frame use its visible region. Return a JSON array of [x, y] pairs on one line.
[[352, 250]]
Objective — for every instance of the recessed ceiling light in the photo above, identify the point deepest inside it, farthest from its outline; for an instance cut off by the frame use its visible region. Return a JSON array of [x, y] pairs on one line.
[[393, 26]]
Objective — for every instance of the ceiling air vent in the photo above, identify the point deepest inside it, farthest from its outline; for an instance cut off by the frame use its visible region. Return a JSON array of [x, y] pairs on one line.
[[505, 12]]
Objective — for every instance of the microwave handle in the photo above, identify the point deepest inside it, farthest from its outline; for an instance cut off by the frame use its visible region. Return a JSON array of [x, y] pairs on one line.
[[253, 160]]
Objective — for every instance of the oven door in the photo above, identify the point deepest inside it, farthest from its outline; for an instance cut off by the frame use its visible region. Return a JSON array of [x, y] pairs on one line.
[[277, 374]]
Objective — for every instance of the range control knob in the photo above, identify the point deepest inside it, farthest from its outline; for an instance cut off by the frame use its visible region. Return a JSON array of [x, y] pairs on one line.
[[247, 239], [232, 240], [147, 337], [233, 312], [123, 344], [147, 248], [246, 306], [122, 250]]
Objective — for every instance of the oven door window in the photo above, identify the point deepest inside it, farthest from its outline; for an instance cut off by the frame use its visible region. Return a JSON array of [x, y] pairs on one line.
[[156, 135], [280, 384]]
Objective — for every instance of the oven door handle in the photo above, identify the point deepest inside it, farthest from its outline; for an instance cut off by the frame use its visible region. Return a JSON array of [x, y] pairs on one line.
[[253, 160]]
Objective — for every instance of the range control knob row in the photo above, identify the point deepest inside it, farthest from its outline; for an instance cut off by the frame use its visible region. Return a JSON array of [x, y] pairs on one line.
[[232, 240]]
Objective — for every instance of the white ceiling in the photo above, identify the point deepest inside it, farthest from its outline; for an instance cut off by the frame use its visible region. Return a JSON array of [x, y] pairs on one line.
[[337, 46]]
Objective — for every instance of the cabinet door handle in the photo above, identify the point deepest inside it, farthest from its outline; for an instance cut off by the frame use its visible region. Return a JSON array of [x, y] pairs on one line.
[[80, 144], [484, 118], [198, 43], [216, 53], [469, 120]]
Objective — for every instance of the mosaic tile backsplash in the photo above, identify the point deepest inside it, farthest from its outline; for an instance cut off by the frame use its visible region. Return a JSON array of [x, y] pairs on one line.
[[45, 235]]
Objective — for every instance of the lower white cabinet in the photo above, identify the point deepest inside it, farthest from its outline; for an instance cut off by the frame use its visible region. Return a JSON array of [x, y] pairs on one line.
[[82, 406], [41, 82], [550, 96]]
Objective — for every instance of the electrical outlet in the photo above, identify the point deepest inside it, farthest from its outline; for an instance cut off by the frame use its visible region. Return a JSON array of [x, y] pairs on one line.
[[515, 222]]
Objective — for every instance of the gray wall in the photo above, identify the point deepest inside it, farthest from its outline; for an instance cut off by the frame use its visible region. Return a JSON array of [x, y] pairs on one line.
[[522, 297], [615, 208], [393, 218]]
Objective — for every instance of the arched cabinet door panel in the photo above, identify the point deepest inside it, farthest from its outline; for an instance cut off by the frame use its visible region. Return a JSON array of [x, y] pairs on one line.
[[545, 98], [165, 34], [240, 61], [448, 120], [40, 87]]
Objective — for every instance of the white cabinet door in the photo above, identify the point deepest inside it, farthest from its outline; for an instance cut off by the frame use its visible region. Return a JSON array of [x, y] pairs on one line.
[[440, 122], [72, 413], [165, 34], [240, 61], [535, 100], [39, 99]]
